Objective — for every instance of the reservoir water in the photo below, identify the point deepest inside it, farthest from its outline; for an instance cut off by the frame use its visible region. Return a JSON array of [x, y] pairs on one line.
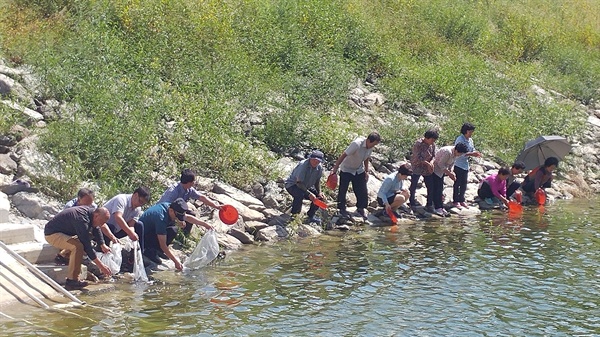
[[537, 274]]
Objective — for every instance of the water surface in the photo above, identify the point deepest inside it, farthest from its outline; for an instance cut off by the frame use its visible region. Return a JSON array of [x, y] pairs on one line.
[[490, 275]]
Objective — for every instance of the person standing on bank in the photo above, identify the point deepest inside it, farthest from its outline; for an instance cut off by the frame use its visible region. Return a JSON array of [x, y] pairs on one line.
[[461, 166], [354, 168], [442, 164], [185, 190], [69, 230], [421, 162], [305, 183]]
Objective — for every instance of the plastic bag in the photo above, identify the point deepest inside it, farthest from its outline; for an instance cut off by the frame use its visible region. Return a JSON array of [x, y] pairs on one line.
[[139, 272], [206, 251], [112, 259]]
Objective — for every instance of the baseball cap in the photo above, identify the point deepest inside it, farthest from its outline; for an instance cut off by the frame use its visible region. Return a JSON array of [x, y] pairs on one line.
[[316, 154], [180, 207]]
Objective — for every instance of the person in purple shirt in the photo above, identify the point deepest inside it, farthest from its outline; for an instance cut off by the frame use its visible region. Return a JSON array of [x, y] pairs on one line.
[[494, 187], [185, 190]]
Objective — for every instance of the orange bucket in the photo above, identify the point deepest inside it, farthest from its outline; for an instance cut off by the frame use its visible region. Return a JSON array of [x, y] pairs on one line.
[[228, 214], [319, 203], [518, 196], [540, 196], [332, 181], [392, 216]]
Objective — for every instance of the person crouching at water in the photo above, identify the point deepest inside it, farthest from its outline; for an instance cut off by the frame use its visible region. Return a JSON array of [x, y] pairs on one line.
[[69, 230], [161, 223], [511, 184], [540, 177], [391, 194], [494, 187], [304, 183]]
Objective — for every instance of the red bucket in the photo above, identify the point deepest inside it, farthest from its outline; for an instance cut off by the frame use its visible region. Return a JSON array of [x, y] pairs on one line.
[[228, 214], [540, 196], [392, 216], [319, 203], [332, 181]]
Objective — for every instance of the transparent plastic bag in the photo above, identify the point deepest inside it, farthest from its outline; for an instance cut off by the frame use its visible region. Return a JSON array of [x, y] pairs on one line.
[[112, 259], [139, 272], [205, 252]]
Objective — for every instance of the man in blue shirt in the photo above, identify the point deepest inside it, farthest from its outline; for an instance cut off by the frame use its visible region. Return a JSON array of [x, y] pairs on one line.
[[185, 190], [161, 223]]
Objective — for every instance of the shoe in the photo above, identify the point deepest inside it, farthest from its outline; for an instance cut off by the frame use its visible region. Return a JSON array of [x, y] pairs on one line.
[[162, 255], [463, 204], [440, 212], [344, 213], [429, 209], [489, 201], [362, 213], [457, 205], [446, 213], [60, 260], [314, 219], [75, 284]]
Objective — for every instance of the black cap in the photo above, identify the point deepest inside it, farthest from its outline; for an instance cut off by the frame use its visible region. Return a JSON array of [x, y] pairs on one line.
[[180, 207], [316, 154]]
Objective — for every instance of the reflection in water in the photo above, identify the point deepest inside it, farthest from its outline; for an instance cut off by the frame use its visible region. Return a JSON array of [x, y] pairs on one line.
[[498, 274]]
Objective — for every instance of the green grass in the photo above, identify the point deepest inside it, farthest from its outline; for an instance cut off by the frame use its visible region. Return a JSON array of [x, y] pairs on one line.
[[163, 85]]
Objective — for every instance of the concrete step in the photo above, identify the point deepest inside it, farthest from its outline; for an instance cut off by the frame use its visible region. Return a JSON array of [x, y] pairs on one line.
[[59, 273], [16, 233], [4, 207], [35, 252]]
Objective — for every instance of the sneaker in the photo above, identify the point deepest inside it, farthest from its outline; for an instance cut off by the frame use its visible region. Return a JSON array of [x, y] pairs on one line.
[[314, 219], [75, 284], [457, 205], [362, 213], [60, 260], [439, 211]]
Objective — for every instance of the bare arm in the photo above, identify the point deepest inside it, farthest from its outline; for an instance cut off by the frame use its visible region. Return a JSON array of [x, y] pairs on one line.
[[192, 219], [124, 226], [338, 162], [162, 241], [209, 202]]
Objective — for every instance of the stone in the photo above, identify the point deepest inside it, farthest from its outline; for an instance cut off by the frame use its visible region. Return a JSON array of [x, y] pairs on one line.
[[245, 212], [305, 230], [234, 193], [253, 227], [270, 233], [35, 206], [7, 165], [244, 237], [228, 242]]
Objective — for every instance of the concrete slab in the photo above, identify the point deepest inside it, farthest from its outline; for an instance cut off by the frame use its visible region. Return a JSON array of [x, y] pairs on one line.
[[4, 207], [35, 252], [16, 233]]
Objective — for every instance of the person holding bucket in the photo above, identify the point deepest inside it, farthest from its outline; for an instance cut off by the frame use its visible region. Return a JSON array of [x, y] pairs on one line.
[[493, 187], [538, 179], [305, 183], [186, 191]]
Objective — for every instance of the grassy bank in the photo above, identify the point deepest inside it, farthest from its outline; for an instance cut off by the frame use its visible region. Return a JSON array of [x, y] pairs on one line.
[[162, 85]]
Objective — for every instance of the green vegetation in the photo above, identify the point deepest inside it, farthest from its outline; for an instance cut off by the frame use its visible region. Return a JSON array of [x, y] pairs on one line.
[[163, 85]]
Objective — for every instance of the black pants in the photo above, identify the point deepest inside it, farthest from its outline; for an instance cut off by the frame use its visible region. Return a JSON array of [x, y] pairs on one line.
[[151, 245], [359, 185], [485, 191], [437, 190], [138, 228], [299, 195], [460, 184], [512, 188], [414, 181]]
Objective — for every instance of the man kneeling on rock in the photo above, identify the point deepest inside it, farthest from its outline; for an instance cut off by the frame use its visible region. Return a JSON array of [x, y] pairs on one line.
[[70, 230], [391, 194], [161, 223]]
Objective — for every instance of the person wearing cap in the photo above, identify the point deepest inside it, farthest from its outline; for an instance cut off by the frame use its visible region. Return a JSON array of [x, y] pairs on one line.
[[161, 223], [391, 194], [354, 168], [185, 189], [305, 183]]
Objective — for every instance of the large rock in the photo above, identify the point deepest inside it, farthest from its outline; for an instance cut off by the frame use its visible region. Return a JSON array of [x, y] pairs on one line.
[[271, 233], [245, 212], [37, 164], [7, 165], [228, 242], [35, 206], [32, 114], [240, 196], [242, 236]]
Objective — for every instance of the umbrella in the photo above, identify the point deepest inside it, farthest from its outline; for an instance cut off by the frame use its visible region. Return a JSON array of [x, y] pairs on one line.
[[536, 151]]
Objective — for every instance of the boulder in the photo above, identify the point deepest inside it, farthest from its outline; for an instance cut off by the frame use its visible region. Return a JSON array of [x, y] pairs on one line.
[[245, 213], [228, 242], [35, 206], [7, 164], [271, 233], [234, 193], [242, 236], [253, 227]]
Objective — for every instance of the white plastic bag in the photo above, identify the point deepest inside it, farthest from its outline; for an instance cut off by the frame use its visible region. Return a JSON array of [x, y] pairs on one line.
[[139, 272], [206, 251], [112, 259]]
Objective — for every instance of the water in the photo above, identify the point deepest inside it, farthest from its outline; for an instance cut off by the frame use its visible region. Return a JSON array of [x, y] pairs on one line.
[[490, 275]]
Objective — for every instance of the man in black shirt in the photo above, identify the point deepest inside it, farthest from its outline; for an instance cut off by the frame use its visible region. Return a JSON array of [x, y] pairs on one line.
[[70, 230]]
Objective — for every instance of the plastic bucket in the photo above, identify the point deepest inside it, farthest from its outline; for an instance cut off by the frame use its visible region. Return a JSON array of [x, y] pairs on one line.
[[319, 203], [228, 214]]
